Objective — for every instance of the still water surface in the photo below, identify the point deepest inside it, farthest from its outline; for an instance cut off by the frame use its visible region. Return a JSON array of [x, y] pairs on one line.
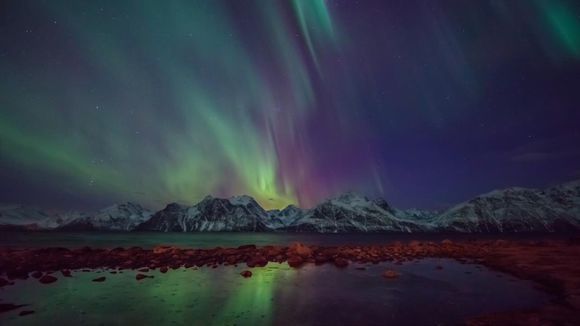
[[223, 239], [274, 295]]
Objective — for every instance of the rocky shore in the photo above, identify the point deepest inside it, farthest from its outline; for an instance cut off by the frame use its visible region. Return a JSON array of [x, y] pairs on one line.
[[553, 265]]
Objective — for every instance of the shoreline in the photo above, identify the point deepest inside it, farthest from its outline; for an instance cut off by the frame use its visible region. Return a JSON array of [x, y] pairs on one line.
[[551, 264]]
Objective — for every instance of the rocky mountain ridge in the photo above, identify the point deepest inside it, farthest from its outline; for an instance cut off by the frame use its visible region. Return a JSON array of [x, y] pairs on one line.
[[555, 209]]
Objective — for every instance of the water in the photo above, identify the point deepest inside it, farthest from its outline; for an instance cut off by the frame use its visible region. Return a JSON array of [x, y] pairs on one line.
[[275, 294], [211, 240]]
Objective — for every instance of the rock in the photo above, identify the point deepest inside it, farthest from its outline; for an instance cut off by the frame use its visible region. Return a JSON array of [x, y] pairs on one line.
[[361, 268], [163, 249], [300, 250], [340, 262], [140, 276], [446, 242], [245, 247], [17, 274], [390, 274], [47, 279], [9, 306], [100, 279], [66, 273], [415, 243], [144, 270], [4, 282], [295, 261], [163, 269], [246, 274], [26, 312], [319, 260], [500, 243], [257, 261], [36, 274]]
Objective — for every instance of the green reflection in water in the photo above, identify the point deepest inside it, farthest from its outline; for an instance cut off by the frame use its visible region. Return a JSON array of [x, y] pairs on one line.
[[183, 297]]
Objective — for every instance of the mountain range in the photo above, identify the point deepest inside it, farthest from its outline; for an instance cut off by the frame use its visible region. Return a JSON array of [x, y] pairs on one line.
[[555, 209]]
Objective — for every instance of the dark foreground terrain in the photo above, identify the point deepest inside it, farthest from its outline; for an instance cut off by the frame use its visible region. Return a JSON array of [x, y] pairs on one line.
[[554, 265]]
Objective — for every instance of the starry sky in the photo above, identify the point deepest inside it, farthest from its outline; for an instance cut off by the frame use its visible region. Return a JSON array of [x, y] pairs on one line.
[[425, 103]]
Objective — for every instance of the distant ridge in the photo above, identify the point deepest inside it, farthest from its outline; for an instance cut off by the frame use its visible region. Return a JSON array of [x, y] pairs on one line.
[[511, 210]]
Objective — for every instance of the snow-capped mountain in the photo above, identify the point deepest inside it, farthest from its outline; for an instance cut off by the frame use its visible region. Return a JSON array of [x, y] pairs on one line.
[[516, 210], [509, 210], [241, 213], [279, 219], [413, 214], [120, 217], [351, 212], [27, 218]]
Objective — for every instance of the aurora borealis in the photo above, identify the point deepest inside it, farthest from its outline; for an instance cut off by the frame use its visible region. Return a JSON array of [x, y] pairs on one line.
[[422, 102]]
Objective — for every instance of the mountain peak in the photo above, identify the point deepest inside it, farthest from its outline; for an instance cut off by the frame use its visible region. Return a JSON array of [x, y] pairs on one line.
[[349, 197], [241, 200]]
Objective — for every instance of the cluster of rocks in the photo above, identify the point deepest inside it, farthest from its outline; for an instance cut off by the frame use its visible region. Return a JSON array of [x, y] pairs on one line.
[[552, 264], [48, 264]]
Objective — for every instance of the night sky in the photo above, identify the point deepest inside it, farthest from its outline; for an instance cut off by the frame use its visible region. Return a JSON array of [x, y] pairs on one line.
[[425, 103]]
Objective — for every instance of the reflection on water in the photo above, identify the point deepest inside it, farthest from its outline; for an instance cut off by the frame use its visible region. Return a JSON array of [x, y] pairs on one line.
[[275, 294], [225, 239]]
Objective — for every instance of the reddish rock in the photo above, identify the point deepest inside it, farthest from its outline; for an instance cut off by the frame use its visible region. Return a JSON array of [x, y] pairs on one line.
[[66, 273], [257, 261], [246, 274], [26, 312], [300, 250], [47, 279], [446, 242], [100, 279], [340, 262], [273, 251], [415, 244], [144, 270], [163, 249], [140, 276], [390, 274], [295, 261], [163, 269]]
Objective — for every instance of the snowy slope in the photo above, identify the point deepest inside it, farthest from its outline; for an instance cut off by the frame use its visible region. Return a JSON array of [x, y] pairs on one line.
[[120, 217], [27, 218], [279, 219], [516, 210], [241, 213], [351, 212]]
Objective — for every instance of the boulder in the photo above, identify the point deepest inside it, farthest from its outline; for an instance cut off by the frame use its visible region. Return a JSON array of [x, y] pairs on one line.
[[295, 261], [390, 274], [47, 279]]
